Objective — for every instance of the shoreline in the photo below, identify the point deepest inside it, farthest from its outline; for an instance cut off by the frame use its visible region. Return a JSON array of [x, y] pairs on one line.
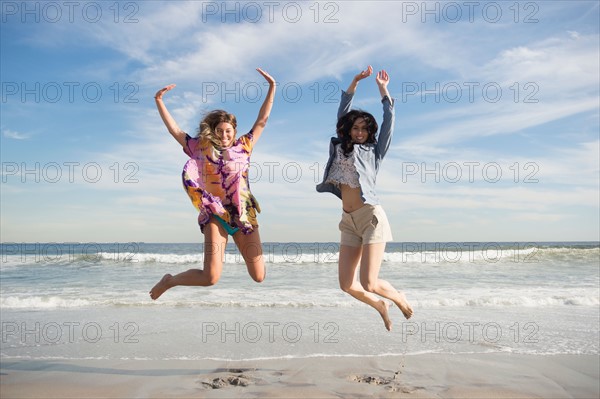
[[496, 375]]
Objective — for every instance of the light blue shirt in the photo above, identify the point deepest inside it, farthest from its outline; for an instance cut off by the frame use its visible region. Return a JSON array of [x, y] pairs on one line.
[[368, 156]]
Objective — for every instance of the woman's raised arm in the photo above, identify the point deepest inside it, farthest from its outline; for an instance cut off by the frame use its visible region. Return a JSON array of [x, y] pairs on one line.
[[170, 123], [387, 127], [265, 109], [348, 95], [360, 76]]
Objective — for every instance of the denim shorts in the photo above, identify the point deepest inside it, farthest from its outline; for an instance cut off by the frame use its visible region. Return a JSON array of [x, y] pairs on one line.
[[367, 225]]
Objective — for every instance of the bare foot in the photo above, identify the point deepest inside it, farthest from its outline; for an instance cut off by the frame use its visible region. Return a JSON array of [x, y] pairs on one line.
[[161, 287], [383, 307], [404, 306]]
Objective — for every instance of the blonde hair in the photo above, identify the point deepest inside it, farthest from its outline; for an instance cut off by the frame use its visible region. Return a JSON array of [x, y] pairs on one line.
[[209, 123]]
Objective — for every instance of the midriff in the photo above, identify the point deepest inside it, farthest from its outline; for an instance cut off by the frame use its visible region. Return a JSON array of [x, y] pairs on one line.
[[351, 198]]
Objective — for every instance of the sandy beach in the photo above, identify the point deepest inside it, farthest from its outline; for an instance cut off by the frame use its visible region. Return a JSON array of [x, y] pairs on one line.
[[533, 335], [418, 376]]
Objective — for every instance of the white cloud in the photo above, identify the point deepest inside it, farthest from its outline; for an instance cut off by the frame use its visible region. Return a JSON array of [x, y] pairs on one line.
[[558, 65], [488, 119], [11, 134], [304, 51]]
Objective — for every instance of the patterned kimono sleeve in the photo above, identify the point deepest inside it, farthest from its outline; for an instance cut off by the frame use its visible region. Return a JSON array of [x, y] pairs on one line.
[[247, 141], [191, 144]]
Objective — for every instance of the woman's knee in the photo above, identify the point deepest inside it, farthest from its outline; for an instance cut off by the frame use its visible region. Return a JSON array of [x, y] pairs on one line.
[[345, 286], [259, 278], [256, 269], [213, 279], [212, 276], [369, 285], [212, 271]]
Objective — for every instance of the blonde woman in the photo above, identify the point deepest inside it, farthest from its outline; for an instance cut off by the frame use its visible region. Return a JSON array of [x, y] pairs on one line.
[[216, 180]]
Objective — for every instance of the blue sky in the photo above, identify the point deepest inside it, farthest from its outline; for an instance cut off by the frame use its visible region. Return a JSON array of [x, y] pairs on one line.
[[496, 133]]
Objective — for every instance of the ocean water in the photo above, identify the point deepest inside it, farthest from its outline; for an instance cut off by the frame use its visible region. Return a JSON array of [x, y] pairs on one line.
[[90, 301]]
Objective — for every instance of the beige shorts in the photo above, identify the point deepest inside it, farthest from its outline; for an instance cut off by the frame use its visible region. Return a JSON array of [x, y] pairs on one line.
[[367, 225]]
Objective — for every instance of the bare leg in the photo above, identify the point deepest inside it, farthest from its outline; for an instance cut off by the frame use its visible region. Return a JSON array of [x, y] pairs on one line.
[[215, 240], [372, 256], [349, 257], [251, 249]]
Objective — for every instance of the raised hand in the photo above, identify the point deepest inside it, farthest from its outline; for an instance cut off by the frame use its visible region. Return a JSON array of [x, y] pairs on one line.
[[382, 78], [267, 77], [364, 74], [162, 91]]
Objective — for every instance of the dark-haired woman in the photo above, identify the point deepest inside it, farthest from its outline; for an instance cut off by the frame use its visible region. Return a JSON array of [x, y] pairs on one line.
[[216, 180], [354, 159]]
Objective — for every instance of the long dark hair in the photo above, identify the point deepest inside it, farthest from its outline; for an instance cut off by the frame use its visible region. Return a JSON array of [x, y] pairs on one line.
[[344, 126]]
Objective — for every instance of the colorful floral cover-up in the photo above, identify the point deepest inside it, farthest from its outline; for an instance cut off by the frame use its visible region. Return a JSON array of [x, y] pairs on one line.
[[217, 182]]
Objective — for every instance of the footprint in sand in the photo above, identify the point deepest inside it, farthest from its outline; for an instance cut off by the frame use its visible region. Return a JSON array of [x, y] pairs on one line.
[[236, 378], [389, 383], [367, 379], [231, 380]]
